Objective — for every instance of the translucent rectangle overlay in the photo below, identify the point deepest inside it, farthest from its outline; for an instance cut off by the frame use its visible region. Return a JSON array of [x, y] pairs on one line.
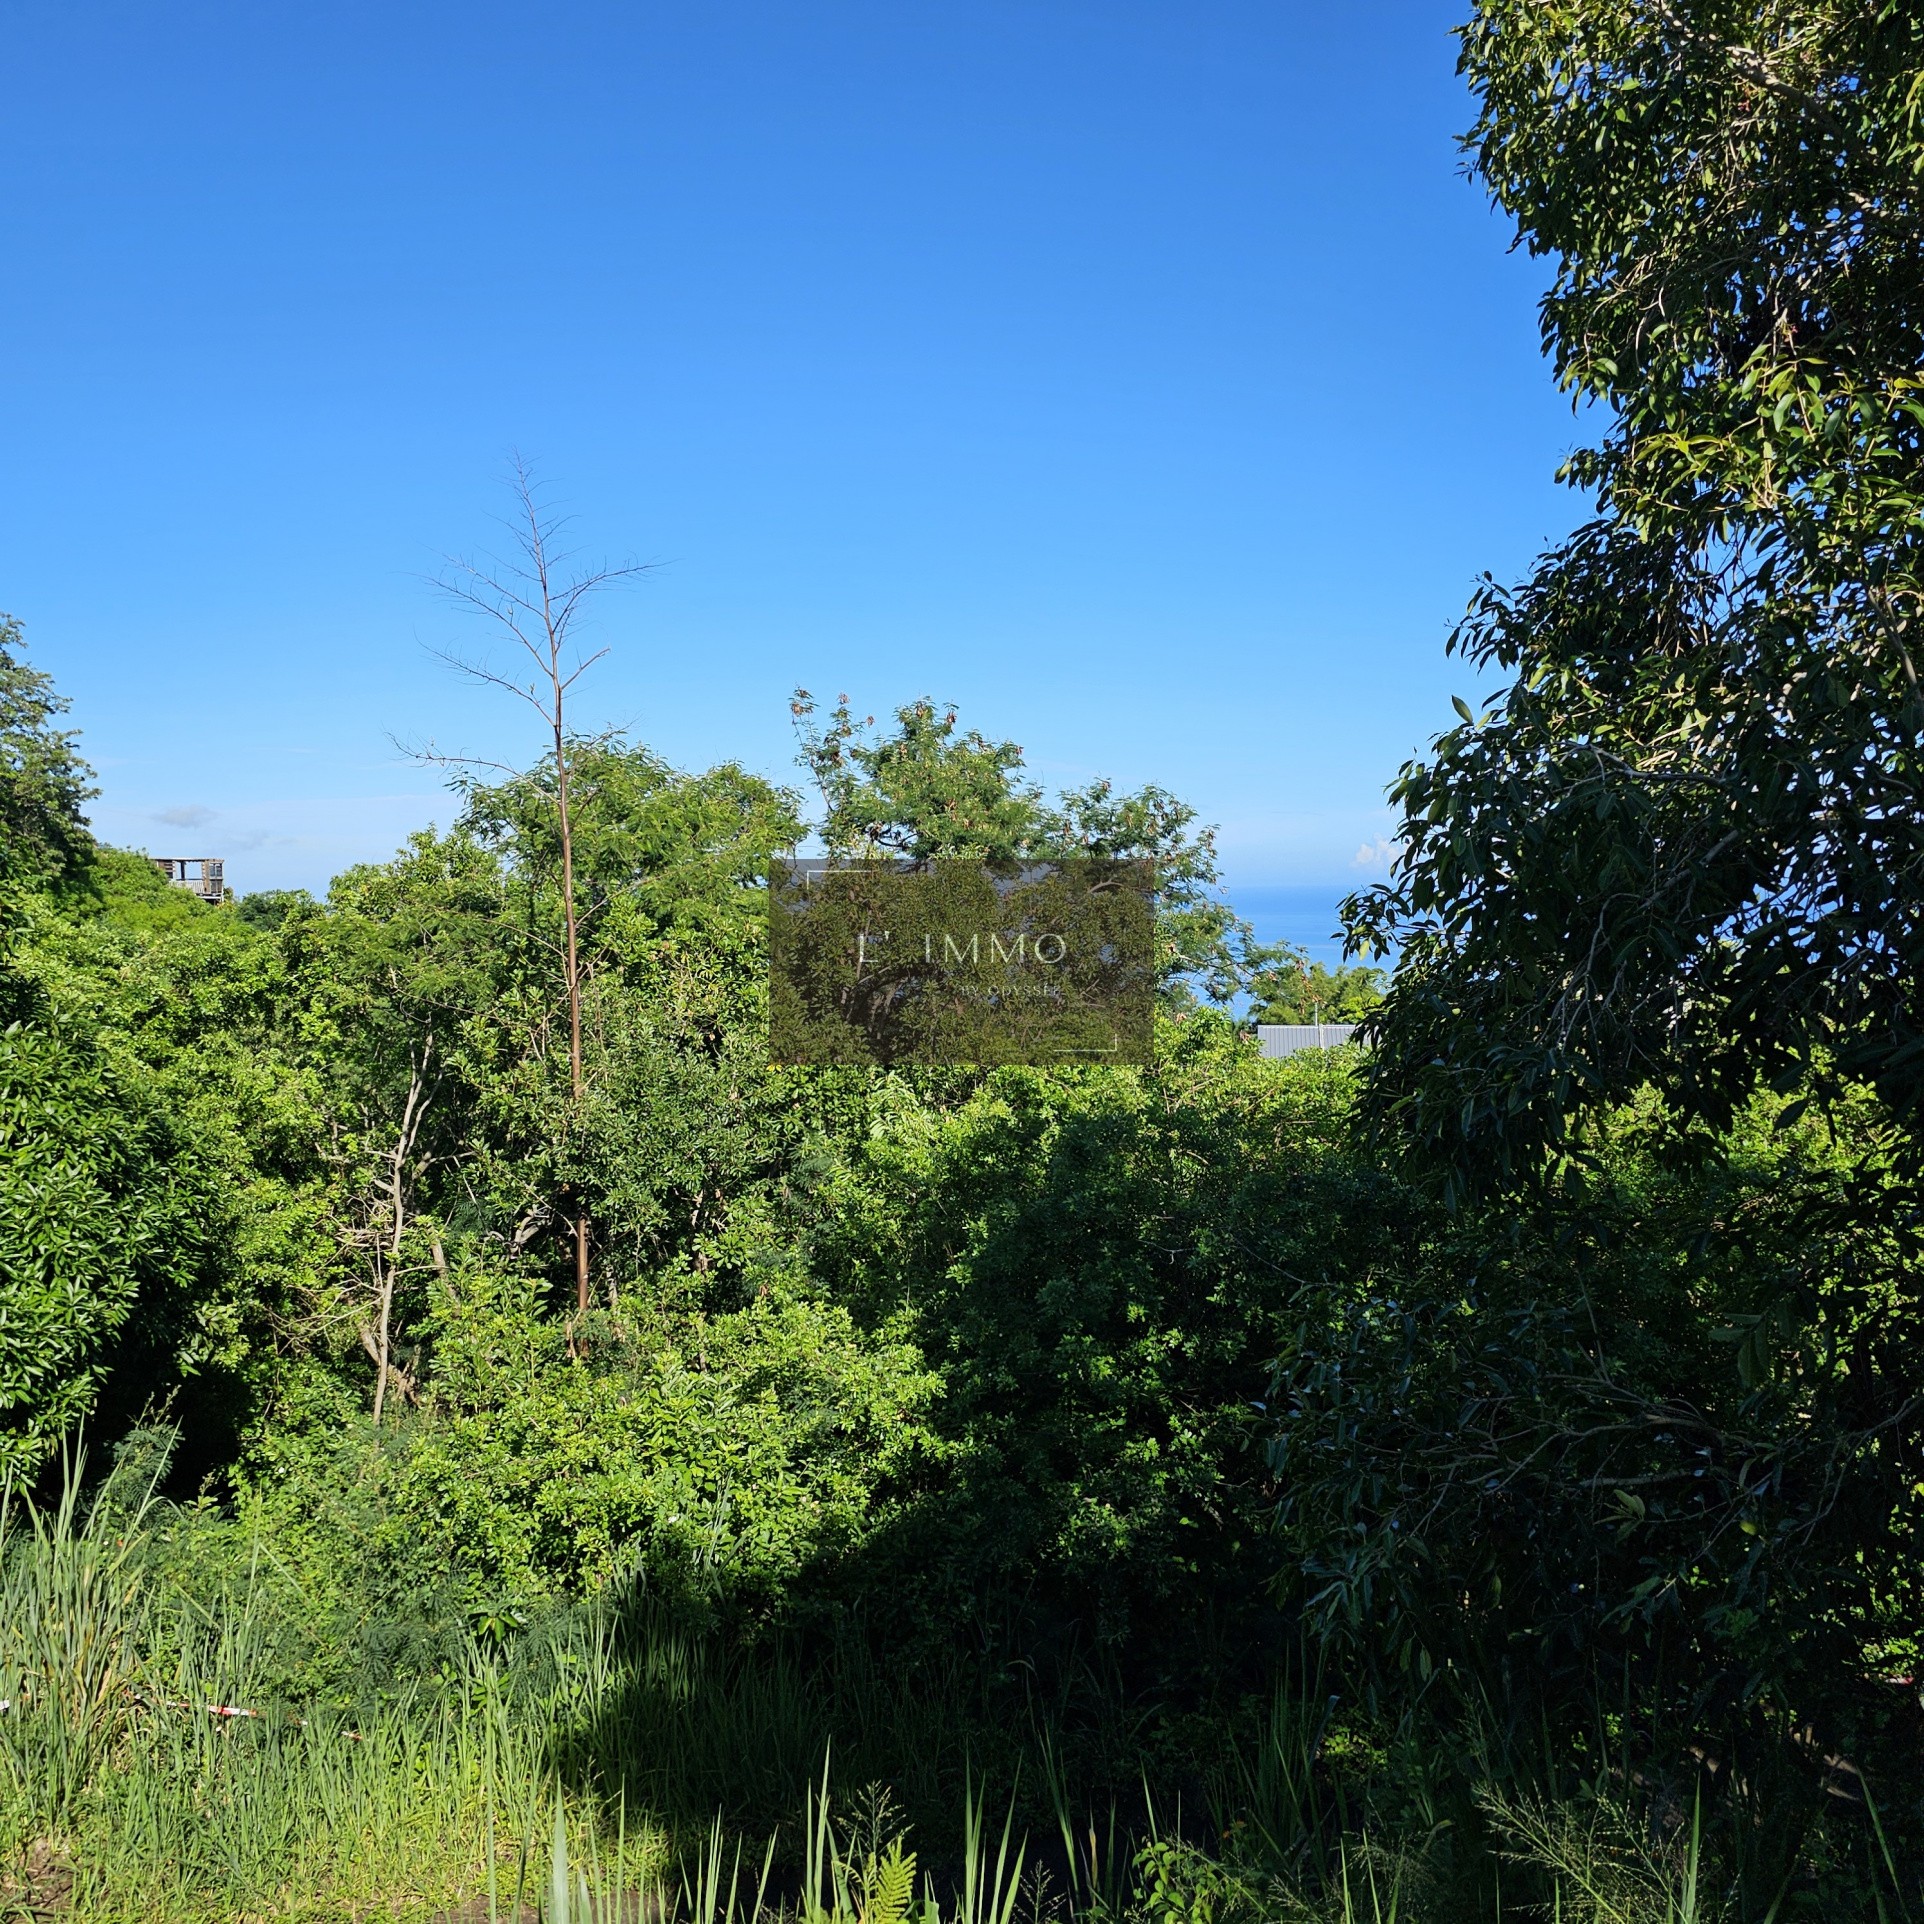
[[961, 963]]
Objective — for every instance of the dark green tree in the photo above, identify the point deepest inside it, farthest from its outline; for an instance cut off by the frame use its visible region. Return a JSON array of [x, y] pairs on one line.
[[1683, 845], [1667, 887], [103, 1234]]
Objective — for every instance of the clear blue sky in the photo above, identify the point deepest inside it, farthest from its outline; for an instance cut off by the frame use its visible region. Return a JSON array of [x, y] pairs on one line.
[[1144, 378]]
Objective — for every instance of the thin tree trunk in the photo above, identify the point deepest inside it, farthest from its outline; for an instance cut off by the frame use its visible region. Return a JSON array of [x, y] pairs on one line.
[[572, 968], [538, 612], [385, 1286], [387, 1262]]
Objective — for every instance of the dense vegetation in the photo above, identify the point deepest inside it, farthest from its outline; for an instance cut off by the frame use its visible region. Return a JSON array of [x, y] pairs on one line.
[[1477, 1471]]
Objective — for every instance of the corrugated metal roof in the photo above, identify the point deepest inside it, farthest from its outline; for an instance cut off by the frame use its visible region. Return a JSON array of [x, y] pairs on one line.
[[1288, 1038]]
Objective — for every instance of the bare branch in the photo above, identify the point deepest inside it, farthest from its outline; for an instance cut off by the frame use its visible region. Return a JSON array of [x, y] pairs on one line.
[[539, 611], [432, 757], [582, 668]]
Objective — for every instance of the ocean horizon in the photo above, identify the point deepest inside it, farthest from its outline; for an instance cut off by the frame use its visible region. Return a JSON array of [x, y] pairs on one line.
[[1302, 913]]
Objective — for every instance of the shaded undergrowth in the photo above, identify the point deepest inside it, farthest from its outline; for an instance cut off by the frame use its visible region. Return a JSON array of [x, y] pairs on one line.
[[609, 1764]]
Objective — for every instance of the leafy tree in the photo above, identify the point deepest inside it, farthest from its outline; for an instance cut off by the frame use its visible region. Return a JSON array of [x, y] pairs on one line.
[[44, 784], [1670, 876], [921, 792], [924, 792], [430, 1009], [1293, 989], [528, 599], [659, 855], [669, 872], [408, 1001], [1100, 1265], [1608, 1437], [1205, 946], [1682, 845], [711, 1460], [156, 1169], [97, 1227], [269, 909]]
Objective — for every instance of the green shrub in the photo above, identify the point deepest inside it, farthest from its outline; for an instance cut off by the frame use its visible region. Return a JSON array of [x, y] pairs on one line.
[[107, 1251], [709, 1459]]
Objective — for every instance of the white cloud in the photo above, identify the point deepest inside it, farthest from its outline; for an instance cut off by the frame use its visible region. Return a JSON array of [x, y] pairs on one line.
[[192, 816], [1376, 856]]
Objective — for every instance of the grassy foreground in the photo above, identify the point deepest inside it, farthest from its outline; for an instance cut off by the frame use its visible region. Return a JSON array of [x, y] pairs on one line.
[[143, 1776]]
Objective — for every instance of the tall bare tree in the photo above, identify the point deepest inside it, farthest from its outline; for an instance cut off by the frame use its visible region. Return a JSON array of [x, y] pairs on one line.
[[538, 603]]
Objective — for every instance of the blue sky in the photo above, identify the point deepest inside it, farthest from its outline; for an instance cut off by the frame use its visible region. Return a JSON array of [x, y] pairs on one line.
[[1145, 379]]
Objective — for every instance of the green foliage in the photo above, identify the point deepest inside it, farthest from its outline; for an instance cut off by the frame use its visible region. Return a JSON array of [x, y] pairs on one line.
[[1604, 1866], [44, 784], [1014, 1418], [1642, 1420], [182, 1141], [659, 856], [143, 1775], [1293, 989], [1608, 1479], [106, 1258], [126, 889], [708, 1460], [1097, 1263], [269, 909], [1680, 847], [123, 1796], [925, 792]]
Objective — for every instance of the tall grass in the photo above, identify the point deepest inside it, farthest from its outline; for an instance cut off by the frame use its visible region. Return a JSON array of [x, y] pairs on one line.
[[141, 1776], [612, 1766]]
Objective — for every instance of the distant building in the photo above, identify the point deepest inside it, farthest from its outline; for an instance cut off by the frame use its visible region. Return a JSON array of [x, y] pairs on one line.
[[199, 874], [1288, 1038]]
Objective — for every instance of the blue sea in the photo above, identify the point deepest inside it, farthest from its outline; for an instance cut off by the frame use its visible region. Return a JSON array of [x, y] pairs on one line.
[[1302, 914]]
